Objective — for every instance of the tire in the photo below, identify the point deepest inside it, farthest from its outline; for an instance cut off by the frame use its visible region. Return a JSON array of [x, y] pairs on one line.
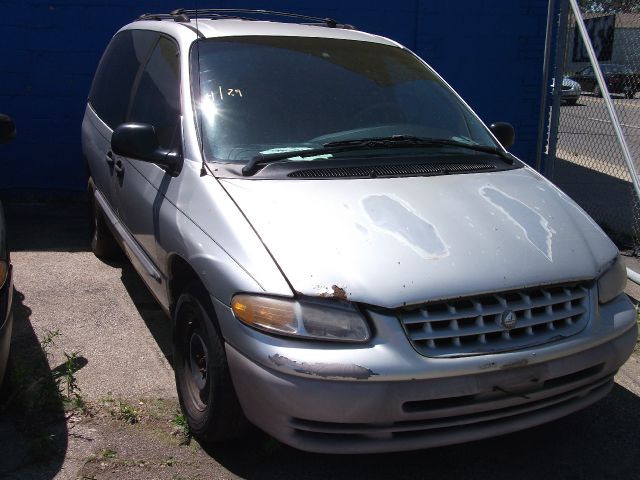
[[103, 245], [597, 92], [572, 102], [630, 94], [205, 390], [5, 382]]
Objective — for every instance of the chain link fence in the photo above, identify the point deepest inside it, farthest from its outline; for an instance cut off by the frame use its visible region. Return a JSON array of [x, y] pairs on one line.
[[589, 162]]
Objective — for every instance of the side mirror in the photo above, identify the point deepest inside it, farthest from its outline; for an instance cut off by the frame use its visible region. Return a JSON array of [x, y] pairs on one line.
[[7, 129], [140, 141], [504, 132]]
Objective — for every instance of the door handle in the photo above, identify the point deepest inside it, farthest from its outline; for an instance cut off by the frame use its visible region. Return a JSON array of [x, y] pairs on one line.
[[109, 158], [119, 168]]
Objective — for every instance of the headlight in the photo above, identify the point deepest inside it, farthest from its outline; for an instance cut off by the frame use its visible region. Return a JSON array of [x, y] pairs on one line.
[[4, 271], [319, 320], [612, 282]]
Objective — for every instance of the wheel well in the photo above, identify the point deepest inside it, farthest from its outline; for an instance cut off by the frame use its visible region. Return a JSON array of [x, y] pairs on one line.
[[180, 275]]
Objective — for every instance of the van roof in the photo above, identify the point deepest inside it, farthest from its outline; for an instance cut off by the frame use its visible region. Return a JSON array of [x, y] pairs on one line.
[[211, 23]]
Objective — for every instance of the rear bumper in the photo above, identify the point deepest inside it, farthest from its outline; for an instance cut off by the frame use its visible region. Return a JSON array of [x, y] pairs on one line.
[[6, 322], [328, 408]]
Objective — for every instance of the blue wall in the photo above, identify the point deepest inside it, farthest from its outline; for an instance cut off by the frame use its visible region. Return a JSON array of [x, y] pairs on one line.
[[491, 53]]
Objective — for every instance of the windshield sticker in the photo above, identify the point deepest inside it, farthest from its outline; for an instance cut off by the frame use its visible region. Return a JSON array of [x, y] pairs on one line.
[[228, 92]]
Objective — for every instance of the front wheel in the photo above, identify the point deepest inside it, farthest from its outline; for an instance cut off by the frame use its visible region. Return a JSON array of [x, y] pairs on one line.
[[629, 94], [205, 390]]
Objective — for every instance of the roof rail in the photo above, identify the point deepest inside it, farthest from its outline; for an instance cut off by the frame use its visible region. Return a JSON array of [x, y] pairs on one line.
[[183, 15]]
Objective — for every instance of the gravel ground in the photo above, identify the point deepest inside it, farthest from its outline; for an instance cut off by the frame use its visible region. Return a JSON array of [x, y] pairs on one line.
[[127, 424]]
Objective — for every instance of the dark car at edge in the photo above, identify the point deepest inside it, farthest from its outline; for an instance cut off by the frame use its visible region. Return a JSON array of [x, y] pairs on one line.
[[7, 132], [619, 79]]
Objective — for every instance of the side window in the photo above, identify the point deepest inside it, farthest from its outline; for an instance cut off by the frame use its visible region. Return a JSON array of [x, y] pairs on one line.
[[157, 98], [111, 89]]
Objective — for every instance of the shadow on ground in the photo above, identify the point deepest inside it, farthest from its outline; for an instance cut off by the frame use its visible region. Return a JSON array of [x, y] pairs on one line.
[[607, 199], [33, 427], [154, 317], [53, 227]]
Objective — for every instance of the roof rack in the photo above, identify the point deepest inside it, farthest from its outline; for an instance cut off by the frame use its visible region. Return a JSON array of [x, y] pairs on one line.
[[183, 15]]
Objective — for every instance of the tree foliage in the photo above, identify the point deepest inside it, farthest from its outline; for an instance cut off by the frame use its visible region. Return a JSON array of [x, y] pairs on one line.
[[610, 6]]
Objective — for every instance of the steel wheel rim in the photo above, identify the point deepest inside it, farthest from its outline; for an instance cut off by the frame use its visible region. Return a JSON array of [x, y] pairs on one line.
[[196, 362]]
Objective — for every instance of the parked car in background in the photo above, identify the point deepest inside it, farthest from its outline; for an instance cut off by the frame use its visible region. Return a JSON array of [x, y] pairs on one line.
[[7, 132], [570, 92], [619, 79], [351, 259]]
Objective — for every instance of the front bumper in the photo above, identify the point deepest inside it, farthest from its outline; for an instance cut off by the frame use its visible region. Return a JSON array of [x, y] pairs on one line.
[[385, 397], [6, 322]]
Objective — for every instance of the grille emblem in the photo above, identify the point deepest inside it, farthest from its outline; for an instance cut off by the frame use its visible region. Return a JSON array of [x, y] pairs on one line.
[[508, 319]]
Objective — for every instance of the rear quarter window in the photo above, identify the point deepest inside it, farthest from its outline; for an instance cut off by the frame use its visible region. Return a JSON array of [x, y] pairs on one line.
[[116, 74]]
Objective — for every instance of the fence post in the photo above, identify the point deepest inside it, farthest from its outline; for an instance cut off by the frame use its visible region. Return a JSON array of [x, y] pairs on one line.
[[558, 75], [544, 94]]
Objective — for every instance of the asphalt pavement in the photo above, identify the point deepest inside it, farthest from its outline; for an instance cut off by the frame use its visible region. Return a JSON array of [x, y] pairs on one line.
[[102, 311], [590, 166], [105, 314], [586, 134]]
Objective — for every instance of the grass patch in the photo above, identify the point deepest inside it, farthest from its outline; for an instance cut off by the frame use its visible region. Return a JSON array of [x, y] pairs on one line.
[[182, 428], [127, 412], [107, 453]]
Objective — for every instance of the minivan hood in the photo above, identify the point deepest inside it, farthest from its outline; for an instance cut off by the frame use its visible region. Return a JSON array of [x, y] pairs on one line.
[[402, 241]]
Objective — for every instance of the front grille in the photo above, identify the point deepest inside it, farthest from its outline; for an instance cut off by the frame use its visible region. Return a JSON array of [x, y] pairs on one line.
[[476, 325], [393, 170]]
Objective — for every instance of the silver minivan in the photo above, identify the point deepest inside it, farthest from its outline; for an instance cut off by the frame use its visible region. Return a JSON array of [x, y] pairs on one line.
[[351, 260]]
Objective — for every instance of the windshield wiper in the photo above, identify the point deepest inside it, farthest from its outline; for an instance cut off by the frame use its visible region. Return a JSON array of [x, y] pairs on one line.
[[409, 141], [395, 141]]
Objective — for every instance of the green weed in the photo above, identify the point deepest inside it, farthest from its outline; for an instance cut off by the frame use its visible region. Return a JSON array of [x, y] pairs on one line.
[[67, 382], [127, 412], [49, 340], [180, 421], [107, 453]]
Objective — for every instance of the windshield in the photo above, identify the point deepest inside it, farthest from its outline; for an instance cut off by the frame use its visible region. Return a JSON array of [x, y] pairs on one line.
[[265, 95]]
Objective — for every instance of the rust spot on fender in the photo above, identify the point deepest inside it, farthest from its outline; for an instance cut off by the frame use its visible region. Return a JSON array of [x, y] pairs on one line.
[[338, 292], [324, 370], [334, 291]]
